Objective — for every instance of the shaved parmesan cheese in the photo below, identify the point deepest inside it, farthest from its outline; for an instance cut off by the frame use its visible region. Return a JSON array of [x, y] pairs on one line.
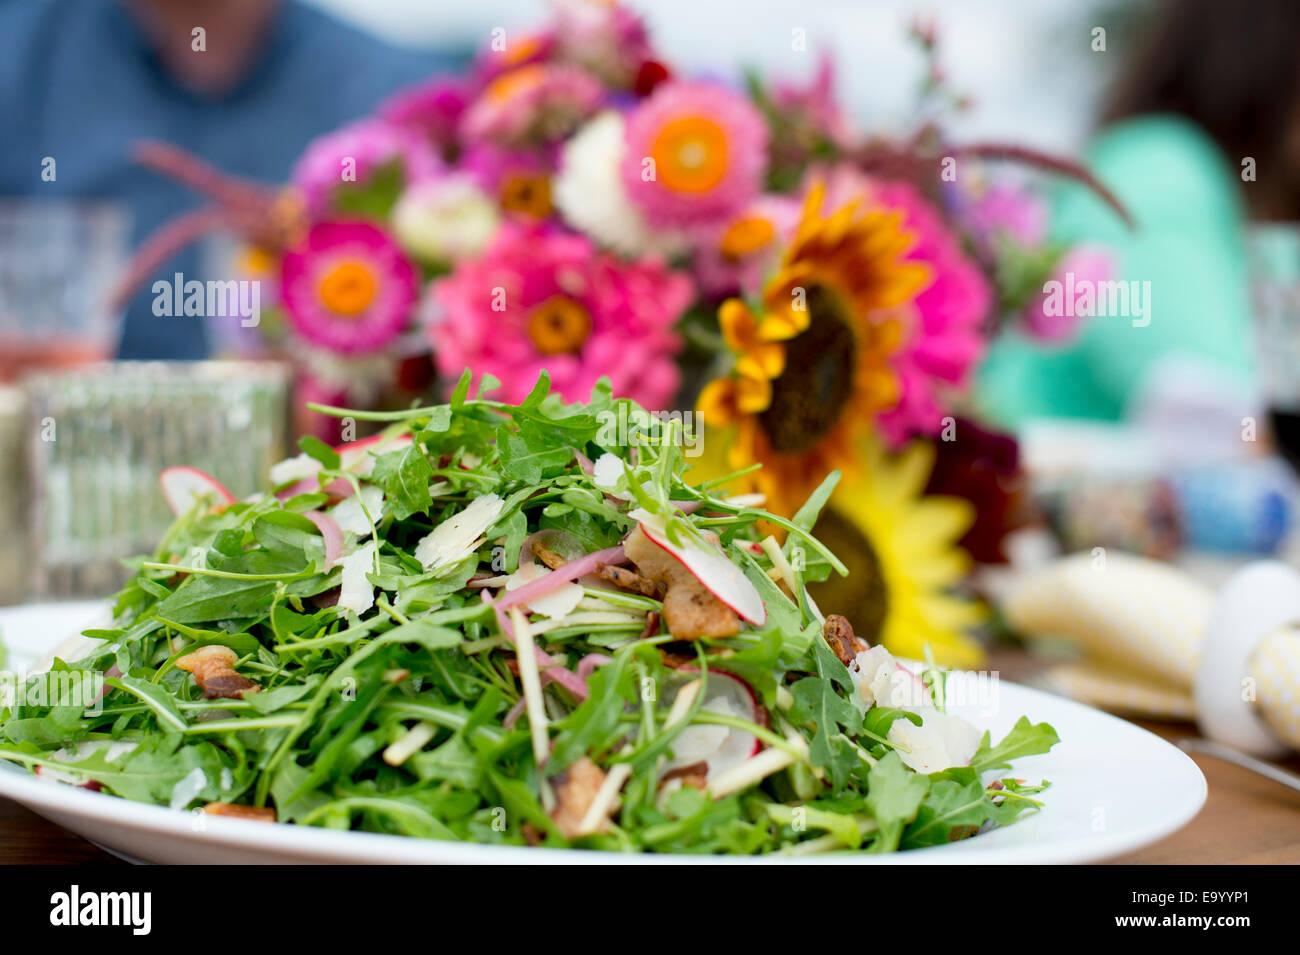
[[294, 469], [607, 471], [358, 593], [349, 515], [940, 742], [457, 537]]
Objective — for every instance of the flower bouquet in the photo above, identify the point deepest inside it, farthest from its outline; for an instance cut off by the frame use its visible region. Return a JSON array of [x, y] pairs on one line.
[[574, 205]]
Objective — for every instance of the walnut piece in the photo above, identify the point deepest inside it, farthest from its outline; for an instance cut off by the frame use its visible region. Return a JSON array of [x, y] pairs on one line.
[[575, 788], [690, 609], [214, 671], [839, 634], [255, 813]]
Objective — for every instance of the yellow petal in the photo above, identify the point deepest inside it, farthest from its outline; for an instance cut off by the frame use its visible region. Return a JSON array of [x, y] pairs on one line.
[[753, 394]]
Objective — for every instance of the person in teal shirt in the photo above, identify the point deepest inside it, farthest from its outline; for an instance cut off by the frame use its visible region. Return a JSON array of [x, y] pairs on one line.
[[1209, 100]]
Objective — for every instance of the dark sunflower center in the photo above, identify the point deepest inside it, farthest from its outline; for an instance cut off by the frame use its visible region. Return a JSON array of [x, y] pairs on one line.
[[814, 390], [862, 595]]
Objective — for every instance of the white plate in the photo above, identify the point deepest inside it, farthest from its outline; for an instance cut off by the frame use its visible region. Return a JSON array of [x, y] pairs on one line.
[[1115, 788]]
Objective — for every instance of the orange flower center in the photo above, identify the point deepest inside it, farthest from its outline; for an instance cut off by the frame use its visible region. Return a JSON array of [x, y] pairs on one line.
[[529, 193], [559, 325], [348, 288], [690, 154], [522, 50], [745, 237], [508, 85]]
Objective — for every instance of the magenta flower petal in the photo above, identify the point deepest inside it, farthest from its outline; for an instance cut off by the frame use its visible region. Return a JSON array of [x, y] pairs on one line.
[[347, 287], [708, 146], [541, 299]]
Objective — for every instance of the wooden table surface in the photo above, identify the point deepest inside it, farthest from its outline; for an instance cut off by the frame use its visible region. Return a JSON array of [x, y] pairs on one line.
[[1247, 819]]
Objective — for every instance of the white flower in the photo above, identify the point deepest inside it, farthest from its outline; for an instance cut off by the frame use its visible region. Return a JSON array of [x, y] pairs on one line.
[[588, 191], [357, 593], [445, 219], [350, 517], [457, 537]]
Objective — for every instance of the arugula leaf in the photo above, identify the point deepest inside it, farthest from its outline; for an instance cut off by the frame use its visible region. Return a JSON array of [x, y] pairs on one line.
[[894, 794], [405, 477], [318, 449], [153, 696], [952, 809], [1025, 739]]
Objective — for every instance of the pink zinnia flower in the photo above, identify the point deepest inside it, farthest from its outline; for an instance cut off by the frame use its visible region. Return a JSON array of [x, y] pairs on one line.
[[518, 179], [1080, 266], [537, 103], [347, 287], [348, 157], [544, 300], [946, 340], [433, 108], [708, 146]]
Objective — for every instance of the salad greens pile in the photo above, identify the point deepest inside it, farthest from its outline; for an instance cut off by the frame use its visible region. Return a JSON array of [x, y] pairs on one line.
[[375, 646]]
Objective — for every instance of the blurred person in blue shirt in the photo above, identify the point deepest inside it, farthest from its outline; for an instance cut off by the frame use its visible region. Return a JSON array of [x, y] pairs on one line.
[[81, 80]]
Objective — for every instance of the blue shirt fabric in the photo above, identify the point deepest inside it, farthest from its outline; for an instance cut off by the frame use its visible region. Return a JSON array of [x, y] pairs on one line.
[[79, 83]]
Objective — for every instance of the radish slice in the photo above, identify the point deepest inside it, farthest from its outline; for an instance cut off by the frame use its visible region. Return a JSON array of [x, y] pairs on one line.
[[710, 567], [184, 486], [294, 469], [720, 746], [329, 530]]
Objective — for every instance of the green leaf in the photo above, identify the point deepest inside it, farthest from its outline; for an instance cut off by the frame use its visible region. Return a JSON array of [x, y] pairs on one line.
[[807, 515], [815, 700], [894, 794], [1025, 739], [426, 634], [405, 477], [153, 696], [318, 449], [951, 806]]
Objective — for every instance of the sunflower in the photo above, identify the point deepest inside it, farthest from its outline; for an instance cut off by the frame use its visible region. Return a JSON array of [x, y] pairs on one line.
[[903, 557], [812, 362]]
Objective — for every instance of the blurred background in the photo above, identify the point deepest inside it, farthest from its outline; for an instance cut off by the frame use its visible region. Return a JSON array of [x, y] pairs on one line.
[[1141, 448]]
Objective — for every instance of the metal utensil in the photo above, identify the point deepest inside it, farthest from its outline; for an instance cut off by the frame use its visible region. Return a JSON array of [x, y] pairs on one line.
[[1238, 758]]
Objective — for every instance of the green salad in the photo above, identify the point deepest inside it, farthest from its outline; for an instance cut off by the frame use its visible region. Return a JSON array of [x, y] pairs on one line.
[[514, 624]]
